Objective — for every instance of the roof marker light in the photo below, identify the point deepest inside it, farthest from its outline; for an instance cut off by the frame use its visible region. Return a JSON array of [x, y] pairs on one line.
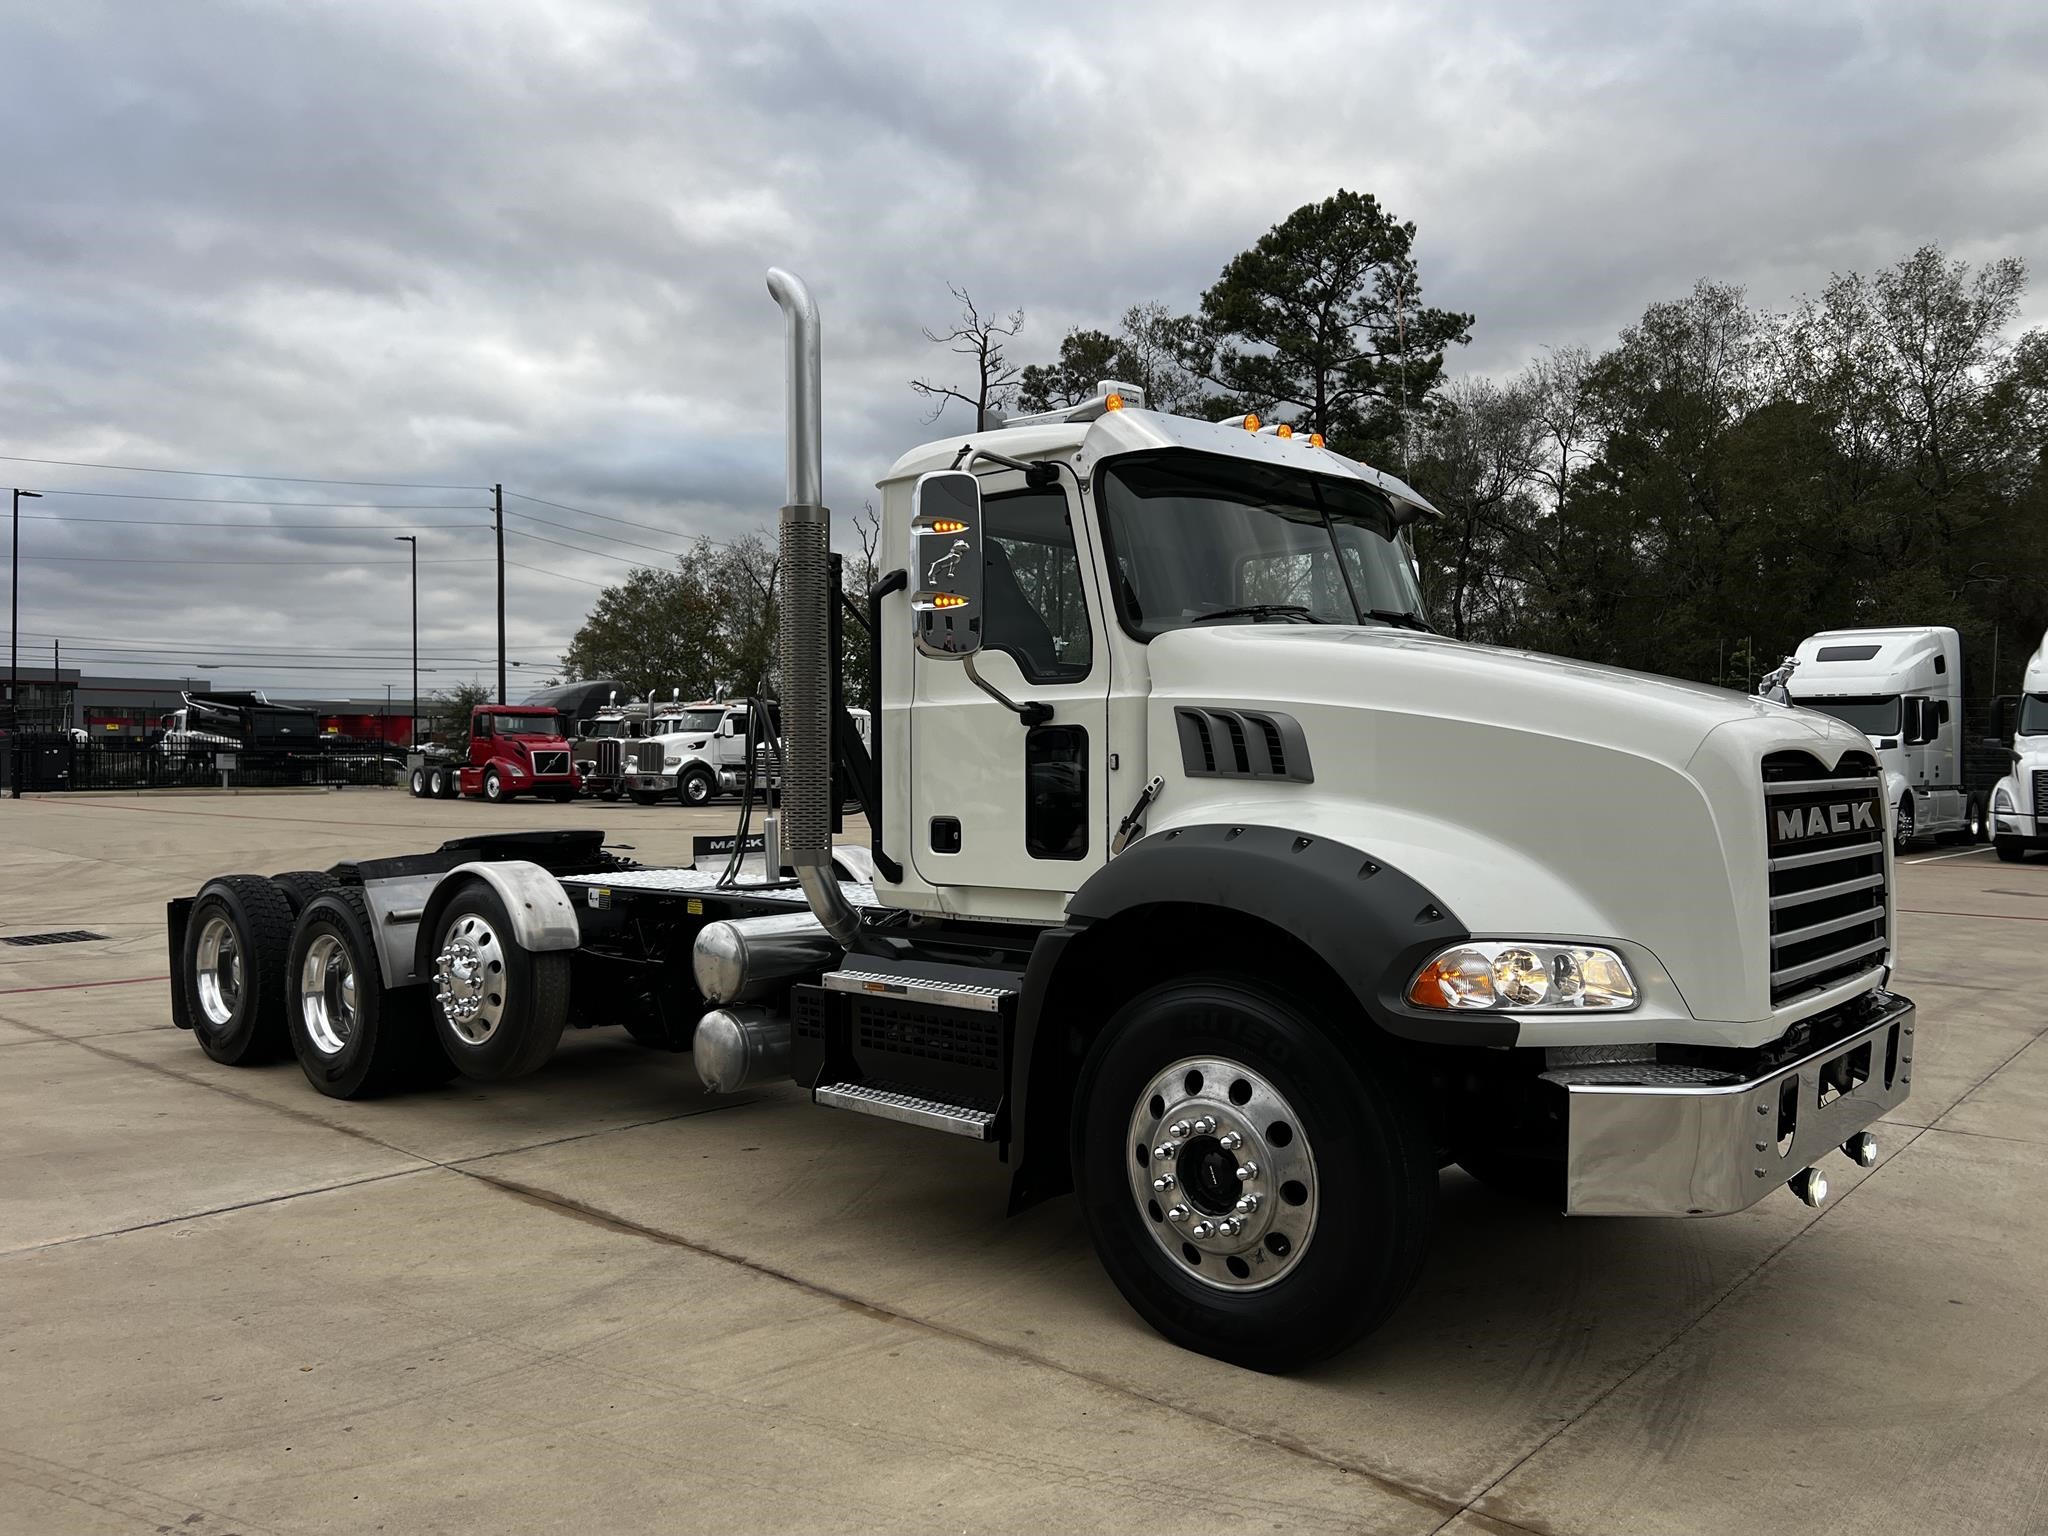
[[1251, 422], [1113, 401], [1315, 439]]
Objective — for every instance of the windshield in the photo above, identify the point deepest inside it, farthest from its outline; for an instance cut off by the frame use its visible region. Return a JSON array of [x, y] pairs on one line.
[[1875, 715], [2033, 714], [690, 720], [607, 728], [1202, 539], [539, 724]]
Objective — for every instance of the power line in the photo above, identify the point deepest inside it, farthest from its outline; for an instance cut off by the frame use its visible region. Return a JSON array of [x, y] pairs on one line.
[[354, 565], [225, 474], [592, 533], [563, 506], [558, 575], [600, 554], [178, 522], [259, 501]]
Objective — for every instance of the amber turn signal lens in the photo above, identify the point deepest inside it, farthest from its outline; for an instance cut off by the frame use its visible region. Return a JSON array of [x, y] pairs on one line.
[[1114, 402], [949, 600], [948, 525]]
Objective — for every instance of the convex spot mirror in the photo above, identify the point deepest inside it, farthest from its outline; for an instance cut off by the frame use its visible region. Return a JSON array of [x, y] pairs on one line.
[[945, 563]]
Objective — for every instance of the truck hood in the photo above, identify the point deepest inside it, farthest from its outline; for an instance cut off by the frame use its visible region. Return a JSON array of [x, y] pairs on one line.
[[1533, 794]]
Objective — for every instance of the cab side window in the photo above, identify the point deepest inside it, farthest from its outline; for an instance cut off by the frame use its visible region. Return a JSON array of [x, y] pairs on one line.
[[1034, 610]]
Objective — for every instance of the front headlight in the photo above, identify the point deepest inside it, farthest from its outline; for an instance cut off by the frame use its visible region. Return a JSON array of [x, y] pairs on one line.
[[1524, 977], [2002, 801], [673, 758]]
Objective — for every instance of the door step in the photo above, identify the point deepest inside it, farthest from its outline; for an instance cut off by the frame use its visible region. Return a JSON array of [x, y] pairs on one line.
[[909, 1109]]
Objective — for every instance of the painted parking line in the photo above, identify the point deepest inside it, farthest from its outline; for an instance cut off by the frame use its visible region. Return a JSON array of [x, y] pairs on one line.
[[76, 986], [1936, 858]]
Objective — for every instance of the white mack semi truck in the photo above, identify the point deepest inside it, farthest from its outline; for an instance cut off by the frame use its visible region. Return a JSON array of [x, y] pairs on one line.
[[1203, 880]]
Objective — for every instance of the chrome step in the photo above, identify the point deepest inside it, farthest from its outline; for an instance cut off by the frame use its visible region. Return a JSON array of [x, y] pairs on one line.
[[917, 989], [931, 1114]]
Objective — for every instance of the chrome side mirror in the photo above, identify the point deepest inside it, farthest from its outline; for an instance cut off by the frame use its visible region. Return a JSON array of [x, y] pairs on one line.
[[945, 564]]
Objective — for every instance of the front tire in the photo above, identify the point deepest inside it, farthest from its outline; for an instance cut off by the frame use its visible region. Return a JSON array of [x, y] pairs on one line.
[[1976, 829], [498, 1008], [494, 787], [696, 787], [354, 1040], [236, 942], [1251, 1101], [648, 797], [2010, 849], [1903, 829]]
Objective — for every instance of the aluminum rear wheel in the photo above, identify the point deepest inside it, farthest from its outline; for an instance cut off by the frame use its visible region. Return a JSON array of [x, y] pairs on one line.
[[218, 970], [327, 994], [470, 980], [1222, 1173]]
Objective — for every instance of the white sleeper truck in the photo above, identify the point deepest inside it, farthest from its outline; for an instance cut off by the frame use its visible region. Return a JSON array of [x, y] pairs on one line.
[[1203, 880], [1901, 687], [2019, 801]]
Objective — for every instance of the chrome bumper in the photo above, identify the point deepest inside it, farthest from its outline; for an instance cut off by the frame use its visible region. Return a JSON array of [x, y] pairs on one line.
[[1685, 1141]]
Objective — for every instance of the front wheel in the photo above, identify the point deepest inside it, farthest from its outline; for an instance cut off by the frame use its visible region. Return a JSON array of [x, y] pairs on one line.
[[1256, 1192], [696, 787], [494, 787], [2010, 849], [1975, 828], [1902, 829]]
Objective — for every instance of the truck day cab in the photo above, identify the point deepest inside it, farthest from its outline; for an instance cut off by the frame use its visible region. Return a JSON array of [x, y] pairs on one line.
[[514, 749], [1205, 881], [2019, 801]]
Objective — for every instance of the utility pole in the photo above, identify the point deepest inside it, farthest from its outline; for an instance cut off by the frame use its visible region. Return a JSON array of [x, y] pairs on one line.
[[413, 732], [57, 683], [14, 626], [498, 512]]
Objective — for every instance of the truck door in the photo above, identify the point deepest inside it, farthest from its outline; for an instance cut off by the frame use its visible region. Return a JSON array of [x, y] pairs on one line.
[[996, 803]]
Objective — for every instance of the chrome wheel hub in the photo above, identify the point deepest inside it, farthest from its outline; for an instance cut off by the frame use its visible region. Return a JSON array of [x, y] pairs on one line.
[[327, 995], [1222, 1173], [469, 979], [219, 966]]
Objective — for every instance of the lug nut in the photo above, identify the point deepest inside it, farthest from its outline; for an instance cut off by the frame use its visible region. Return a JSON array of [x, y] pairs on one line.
[[1229, 1226], [1205, 1126], [1246, 1172], [1179, 1128], [1179, 1213], [1166, 1151], [1861, 1149], [1203, 1229], [1810, 1185], [1246, 1204], [1163, 1183], [1230, 1141]]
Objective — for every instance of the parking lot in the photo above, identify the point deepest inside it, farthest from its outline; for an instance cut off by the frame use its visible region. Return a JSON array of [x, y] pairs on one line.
[[598, 1299]]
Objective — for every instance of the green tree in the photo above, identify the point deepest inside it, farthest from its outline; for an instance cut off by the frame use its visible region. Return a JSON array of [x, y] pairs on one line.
[[1323, 318], [449, 723], [1153, 348]]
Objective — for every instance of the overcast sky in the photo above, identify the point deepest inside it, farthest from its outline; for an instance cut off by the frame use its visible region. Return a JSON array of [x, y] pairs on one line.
[[522, 241]]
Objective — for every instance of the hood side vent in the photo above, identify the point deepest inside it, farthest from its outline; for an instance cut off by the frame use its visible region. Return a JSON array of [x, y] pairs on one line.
[[1242, 744]]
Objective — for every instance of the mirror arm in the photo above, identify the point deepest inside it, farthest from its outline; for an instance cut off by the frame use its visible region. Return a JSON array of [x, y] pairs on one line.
[[1032, 712], [1038, 476]]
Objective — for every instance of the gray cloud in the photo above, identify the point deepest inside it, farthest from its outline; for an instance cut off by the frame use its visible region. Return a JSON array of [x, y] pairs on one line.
[[522, 241]]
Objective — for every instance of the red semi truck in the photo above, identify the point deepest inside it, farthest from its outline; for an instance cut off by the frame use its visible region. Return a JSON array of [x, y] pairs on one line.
[[513, 750]]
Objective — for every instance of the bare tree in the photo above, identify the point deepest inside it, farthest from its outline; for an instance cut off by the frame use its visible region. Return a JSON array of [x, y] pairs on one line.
[[980, 339]]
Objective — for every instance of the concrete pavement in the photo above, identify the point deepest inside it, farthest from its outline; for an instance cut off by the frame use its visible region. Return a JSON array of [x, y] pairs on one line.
[[599, 1299]]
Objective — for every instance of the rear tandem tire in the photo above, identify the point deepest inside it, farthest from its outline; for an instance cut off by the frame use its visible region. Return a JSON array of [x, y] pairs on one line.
[[354, 1040], [302, 885], [417, 783], [1345, 1173], [498, 1008], [236, 943]]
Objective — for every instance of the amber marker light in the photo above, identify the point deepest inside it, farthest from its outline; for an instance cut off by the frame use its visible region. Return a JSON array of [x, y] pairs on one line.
[[1113, 402], [949, 600], [949, 525]]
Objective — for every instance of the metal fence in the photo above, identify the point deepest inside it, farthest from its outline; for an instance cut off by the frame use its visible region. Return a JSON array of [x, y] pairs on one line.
[[40, 761]]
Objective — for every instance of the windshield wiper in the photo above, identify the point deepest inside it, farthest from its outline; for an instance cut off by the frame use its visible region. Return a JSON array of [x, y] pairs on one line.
[[1261, 611], [1400, 619]]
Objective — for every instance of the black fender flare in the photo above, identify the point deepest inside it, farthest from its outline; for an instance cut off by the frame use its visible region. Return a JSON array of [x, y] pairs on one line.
[[1372, 924]]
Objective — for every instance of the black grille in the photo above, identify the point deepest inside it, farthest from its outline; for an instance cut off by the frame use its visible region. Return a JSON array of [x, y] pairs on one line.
[[1826, 833], [68, 936], [917, 1029], [1242, 744], [2040, 794], [555, 761], [807, 1012]]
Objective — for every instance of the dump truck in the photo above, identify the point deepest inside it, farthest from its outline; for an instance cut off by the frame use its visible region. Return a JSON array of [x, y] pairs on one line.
[[1203, 881]]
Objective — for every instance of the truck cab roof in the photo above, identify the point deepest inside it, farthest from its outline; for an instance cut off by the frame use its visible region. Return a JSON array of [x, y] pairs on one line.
[[1877, 661], [1087, 434]]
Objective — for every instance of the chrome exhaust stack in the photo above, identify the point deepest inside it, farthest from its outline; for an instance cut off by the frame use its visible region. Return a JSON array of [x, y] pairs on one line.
[[804, 645]]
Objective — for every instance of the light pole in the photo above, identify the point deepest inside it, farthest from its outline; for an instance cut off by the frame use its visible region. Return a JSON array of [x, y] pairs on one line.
[[412, 733], [14, 622]]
